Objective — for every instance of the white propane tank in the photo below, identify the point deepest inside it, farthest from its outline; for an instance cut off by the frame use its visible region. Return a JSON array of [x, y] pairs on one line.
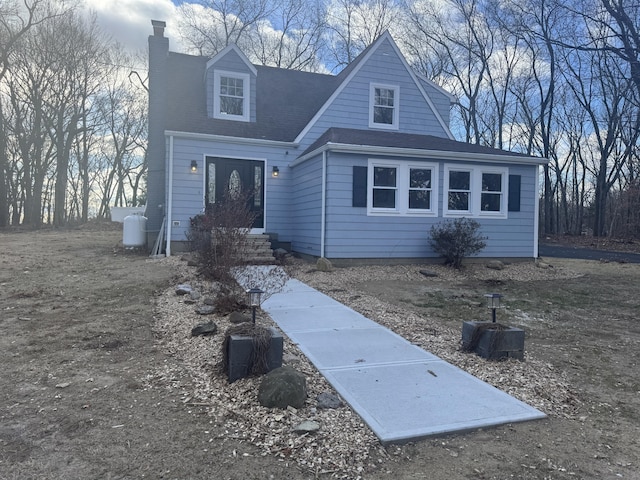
[[134, 231]]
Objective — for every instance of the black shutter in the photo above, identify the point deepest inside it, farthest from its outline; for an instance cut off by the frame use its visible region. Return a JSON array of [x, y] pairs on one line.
[[514, 193], [359, 194]]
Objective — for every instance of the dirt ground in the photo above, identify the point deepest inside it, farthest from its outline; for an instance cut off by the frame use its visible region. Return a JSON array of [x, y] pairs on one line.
[[80, 398]]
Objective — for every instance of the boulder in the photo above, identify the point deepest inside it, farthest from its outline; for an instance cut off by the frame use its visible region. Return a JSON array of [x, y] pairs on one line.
[[208, 328], [495, 265], [184, 289], [237, 318], [283, 387], [290, 359], [428, 273], [324, 265], [205, 309], [281, 254], [329, 400], [308, 426]]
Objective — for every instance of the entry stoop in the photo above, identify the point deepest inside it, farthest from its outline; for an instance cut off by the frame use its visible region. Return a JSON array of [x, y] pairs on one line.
[[258, 250]]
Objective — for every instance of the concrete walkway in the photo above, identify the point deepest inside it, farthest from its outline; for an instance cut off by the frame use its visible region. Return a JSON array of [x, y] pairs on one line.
[[401, 391]]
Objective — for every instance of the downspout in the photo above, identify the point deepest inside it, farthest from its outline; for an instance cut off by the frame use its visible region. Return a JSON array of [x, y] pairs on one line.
[[536, 215], [169, 199], [323, 213]]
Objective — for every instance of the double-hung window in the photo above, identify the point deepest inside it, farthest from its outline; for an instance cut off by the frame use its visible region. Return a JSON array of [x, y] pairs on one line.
[[231, 96], [385, 187], [492, 196], [400, 188], [459, 191], [475, 191], [383, 106]]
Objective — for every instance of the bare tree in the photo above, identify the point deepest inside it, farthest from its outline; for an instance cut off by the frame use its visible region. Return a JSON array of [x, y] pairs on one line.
[[122, 128], [603, 91], [76, 47], [353, 25], [208, 26], [536, 24], [457, 31], [17, 19], [292, 38], [29, 84]]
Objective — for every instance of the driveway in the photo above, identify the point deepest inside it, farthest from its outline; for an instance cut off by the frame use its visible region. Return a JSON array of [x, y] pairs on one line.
[[561, 251]]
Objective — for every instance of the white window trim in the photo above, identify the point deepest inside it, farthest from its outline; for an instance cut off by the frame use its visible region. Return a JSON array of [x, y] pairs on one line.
[[246, 87], [402, 188], [476, 192], [396, 107]]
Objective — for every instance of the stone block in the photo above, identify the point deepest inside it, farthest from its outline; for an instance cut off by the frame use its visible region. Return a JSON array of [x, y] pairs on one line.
[[494, 344], [241, 350]]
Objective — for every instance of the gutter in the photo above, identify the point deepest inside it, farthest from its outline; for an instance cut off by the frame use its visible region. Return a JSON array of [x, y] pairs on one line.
[[229, 139], [419, 153]]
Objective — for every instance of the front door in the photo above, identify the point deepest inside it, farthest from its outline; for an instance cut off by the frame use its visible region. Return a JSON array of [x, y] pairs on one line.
[[235, 176]]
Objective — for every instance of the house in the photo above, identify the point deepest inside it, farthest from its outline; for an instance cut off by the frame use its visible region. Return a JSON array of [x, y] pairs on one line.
[[354, 166]]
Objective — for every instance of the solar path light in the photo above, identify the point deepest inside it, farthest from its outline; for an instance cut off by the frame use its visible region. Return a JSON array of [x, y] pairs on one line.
[[254, 301], [493, 302]]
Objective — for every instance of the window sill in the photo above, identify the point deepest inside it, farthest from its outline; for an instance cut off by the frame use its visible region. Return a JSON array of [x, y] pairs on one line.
[[390, 213]]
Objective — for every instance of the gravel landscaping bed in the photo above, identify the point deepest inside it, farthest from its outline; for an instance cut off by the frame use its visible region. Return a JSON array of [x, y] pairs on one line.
[[344, 447]]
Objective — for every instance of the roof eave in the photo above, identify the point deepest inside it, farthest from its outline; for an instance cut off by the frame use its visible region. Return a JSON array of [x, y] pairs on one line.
[[232, 47], [420, 153], [229, 139]]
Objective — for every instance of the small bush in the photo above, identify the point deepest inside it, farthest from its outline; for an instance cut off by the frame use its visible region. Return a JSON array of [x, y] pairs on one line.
[[456, 239], [219, 237]]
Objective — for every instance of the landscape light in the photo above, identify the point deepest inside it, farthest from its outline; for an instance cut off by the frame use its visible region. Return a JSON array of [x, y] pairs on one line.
[[254, 301], [493, 300]]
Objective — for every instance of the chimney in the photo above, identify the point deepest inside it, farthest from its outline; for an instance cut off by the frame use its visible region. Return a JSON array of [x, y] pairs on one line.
[[158, 27], [156, 152]]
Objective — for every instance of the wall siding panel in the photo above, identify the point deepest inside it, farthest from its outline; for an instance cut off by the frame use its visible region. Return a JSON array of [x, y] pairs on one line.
[[352, 234], [306, 207], [350, 109], [188, 187]]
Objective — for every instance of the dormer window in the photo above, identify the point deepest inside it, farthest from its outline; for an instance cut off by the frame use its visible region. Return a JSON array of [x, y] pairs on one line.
[[231, 96], [383, 110]]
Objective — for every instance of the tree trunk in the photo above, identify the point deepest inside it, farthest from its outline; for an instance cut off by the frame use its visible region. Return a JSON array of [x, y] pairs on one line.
[[63, 150], [4, 184]]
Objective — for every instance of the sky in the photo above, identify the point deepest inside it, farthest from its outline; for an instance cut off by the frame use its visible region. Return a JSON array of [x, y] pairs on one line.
[[129, 21]]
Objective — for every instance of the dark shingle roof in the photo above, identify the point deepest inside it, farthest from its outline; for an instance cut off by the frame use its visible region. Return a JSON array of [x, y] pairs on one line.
[[349, 136], [286, 100]]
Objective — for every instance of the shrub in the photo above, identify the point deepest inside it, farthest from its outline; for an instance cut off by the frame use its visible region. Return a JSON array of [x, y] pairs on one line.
[[456, 239], [219, 237]]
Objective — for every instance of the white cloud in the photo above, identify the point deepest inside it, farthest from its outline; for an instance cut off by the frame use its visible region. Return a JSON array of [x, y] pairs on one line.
[[129, 21]]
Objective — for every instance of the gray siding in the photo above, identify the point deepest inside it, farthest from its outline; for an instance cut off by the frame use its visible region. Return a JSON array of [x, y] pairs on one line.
[[188, 187], [441, 100], [350, 109], [350, 233], [306, 207]]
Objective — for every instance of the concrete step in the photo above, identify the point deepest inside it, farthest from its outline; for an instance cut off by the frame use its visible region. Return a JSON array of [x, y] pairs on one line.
[[258, 249]]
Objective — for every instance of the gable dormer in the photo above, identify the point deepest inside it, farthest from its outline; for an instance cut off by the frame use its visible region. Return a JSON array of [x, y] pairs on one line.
[[379, 92], [230, 80]]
